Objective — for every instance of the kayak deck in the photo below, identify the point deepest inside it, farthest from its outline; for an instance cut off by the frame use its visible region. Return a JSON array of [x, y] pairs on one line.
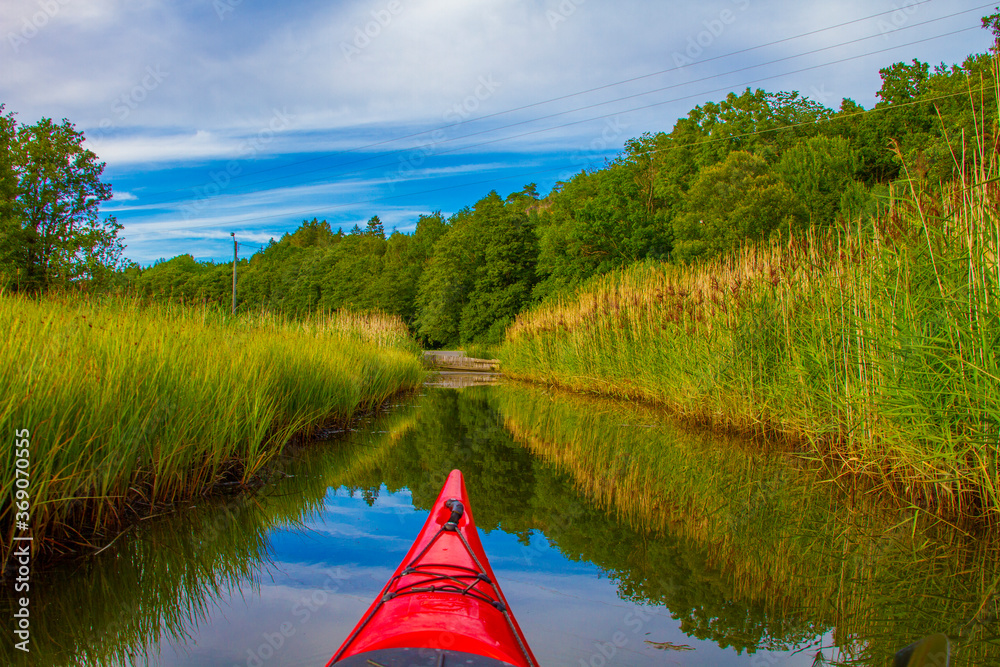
[[442, 605], [418, 657]]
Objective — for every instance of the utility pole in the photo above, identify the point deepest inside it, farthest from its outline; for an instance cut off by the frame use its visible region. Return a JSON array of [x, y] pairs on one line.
[[233, 234]]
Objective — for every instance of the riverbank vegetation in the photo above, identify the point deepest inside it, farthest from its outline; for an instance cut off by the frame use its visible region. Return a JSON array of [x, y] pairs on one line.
[[747, 549], [876, 344], [745, 169], [129, 407], [769, 263]]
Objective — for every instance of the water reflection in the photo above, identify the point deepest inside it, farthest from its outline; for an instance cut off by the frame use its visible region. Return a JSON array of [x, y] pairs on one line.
[[619, 538], [752, 549]]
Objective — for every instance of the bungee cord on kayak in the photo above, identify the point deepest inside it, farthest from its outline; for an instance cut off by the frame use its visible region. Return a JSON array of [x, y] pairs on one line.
[[443, 600]]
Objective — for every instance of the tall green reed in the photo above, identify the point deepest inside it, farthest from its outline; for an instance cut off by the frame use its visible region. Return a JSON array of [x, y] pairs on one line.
[[875, 343], [132, 406], [763, 537]]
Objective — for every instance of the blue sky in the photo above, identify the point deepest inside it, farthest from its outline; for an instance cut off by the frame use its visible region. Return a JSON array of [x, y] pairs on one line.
[[246, 116]]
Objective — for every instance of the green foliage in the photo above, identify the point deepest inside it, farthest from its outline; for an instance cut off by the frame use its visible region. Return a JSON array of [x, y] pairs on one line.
[[50, 195], [374, 227], [10, 228], [184, 279], [735, 201], [992, 22], [740, 170], [314, 234], [395, 289], [447, 280], [480, 272], [157, 404], [902, 82], [876, 346], [599, 221], [503, 280], [819, 171]]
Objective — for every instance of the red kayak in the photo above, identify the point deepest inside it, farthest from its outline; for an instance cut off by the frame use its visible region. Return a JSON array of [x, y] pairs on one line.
[[442, 606]]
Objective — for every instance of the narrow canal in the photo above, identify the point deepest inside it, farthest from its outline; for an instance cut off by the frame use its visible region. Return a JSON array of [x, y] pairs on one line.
[[620, 538]]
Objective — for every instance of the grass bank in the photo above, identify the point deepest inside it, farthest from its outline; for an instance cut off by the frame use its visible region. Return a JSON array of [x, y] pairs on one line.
[[128, 407], [878, 344]]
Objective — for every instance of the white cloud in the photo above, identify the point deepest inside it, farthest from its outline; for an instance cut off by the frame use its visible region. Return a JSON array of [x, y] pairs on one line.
[[421, 68], [146, 149]]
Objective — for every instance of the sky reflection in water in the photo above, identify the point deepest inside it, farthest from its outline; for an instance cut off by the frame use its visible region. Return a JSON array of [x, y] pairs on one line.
[[619, 538], [570, 611]]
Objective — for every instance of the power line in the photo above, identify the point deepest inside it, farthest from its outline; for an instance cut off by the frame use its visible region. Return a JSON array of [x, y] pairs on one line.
[[678, 99], [590, 106], [641, 108], [729, 137]]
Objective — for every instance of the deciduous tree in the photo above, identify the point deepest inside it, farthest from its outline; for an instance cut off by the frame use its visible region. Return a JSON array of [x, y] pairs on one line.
[[55, 235]]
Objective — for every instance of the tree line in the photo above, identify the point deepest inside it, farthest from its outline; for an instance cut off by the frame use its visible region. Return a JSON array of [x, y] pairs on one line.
[[749, 167]]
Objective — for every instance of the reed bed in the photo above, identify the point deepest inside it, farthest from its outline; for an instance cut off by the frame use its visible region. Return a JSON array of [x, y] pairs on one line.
[[876, 344], [752, 542], [162, 579], [130, 407]]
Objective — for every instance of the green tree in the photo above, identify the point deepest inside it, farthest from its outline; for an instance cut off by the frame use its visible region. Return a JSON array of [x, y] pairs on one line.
[[10, 228], [902, 82], [314, 234], [818, 171], [403, 264], [903, 120], [602, 220], [992, 23], [506, 274], [447, 280], [757, 121], [737, 200], [374, 227], [57, 236], [347, 274]]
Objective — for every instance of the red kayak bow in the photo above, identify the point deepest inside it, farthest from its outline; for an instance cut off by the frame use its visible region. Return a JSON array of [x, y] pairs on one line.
[[442, 605]]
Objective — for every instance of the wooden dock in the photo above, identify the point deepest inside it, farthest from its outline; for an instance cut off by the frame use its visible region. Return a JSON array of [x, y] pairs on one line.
[[457, 361]]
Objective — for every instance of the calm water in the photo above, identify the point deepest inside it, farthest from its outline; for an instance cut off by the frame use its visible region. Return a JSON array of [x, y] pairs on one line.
[[618, 537]]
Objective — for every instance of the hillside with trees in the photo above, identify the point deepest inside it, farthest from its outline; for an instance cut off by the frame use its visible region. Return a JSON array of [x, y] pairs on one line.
[[752, 166]]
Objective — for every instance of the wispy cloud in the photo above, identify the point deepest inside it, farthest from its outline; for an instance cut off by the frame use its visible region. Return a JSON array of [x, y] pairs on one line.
[[359, 81]]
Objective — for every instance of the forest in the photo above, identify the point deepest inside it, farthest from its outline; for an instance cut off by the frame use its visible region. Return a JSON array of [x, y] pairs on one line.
[[757, 165]]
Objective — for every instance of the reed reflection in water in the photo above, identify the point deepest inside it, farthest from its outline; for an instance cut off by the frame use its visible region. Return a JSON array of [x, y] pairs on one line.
[[620, 538]]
